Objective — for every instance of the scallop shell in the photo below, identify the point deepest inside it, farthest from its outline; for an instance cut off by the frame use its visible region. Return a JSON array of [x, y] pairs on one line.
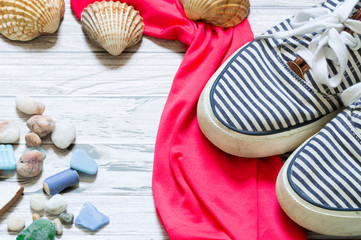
[[112, 25], [221, 13], [25, 20]]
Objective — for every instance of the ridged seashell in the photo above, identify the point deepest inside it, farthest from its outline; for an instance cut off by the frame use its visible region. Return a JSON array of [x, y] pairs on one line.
[[25, 20], [112, 25], [221, 13]]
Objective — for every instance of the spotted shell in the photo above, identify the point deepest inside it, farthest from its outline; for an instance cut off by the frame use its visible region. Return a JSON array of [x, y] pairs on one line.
[[112, 25], [25, 20], [221, 13]]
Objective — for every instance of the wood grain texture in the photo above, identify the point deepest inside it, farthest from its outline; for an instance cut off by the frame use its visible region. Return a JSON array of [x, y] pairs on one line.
[[115, 104]]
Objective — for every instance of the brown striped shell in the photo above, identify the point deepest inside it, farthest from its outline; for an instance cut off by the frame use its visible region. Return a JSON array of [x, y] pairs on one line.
[[221, 13], [25, 20], [112, 25]]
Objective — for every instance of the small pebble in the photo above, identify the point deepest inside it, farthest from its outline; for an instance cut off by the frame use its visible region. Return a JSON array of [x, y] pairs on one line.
[[58, 226], [41, 125], [67, 218], [9, 132], [32, 140], [36, 216], [30, 164], [29, 105], [81, 161], [56, 205], [38, 148], [90, 218], [41, 229], [37, 202], [63, 134], [16, 223]]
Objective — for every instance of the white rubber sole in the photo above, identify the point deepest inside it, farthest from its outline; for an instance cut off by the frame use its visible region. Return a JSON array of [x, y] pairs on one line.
[[314, 218], [245, 145]]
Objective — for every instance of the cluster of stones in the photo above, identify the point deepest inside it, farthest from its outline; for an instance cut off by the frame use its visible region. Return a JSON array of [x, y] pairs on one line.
[[30, 164], [44, 229], [55, 206], [40, 126]]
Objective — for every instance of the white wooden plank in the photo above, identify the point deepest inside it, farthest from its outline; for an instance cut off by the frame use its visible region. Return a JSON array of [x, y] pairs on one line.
[[128, 119], [71, 38], [124, 169], [87, 73]]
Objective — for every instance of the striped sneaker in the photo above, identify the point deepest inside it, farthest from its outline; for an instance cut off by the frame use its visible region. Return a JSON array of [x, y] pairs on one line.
[[319, 186], [284, 86]]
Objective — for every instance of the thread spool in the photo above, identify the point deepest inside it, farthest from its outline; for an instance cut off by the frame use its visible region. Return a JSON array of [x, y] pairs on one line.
[[58, 182]]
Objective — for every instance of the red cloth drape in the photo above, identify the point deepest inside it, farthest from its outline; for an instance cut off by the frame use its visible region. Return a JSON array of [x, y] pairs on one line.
[[199, 191]]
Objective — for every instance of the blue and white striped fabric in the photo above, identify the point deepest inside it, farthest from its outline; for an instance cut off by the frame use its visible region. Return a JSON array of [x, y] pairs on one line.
[[258, 94], [326, 171]]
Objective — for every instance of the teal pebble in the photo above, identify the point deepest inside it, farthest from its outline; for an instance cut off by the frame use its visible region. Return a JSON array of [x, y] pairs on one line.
[[38, 148], [7, 157], [67, 218], [82, 162], [41, 229]]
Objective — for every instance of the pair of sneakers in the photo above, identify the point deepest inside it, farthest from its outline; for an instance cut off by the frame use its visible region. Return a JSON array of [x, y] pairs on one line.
[[298, 86]]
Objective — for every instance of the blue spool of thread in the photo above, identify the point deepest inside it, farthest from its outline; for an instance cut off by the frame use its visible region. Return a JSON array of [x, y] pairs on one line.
[[58, 182]]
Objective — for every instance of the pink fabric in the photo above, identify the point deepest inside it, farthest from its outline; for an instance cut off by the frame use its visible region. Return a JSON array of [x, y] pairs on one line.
[[199, 191]]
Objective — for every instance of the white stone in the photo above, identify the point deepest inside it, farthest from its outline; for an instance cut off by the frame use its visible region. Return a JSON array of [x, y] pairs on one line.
[[9, 132], [63, 134], [37, 202], [56, 205], [58, 226], [16, 223], [29, 105]]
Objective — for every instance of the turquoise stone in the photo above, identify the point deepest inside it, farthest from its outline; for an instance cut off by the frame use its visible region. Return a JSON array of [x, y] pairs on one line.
[[7, 157], [90, 218], [82, 162], [41, 229], [38, 148]]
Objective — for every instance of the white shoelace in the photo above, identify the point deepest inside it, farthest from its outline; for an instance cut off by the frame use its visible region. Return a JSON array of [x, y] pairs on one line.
[[330, 42]]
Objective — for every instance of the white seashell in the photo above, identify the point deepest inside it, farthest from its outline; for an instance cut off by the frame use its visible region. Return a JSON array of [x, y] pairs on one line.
[[221, 13], [63, 134], [16, 223], [112, 25], [9, 132], [29, 105], [37, 202], [56, 205], [25, 20]]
